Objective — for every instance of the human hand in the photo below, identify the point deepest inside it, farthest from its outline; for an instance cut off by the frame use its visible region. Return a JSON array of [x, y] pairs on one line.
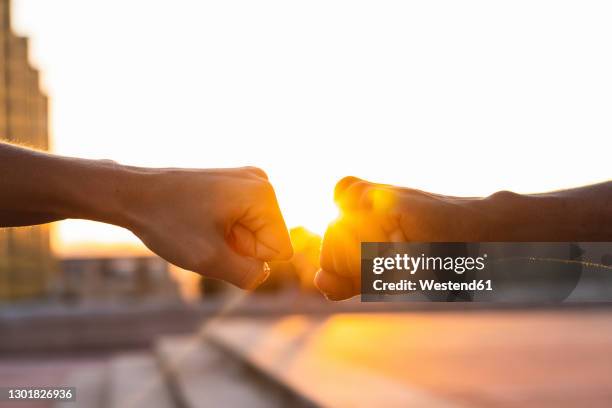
[[222, 223], [373, 212]]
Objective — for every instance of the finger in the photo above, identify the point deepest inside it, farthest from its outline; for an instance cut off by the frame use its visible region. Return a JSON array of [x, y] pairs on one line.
[[243, 241], [242, 271], [326, 258], [348, 192], [354, 194], [262, 232], [269, 242], [341, 244], [341, 252], [275, 235], [334, 287]]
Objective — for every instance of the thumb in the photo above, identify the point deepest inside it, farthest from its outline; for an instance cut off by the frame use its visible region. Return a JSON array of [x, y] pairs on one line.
[[262, 233], [270, 242]]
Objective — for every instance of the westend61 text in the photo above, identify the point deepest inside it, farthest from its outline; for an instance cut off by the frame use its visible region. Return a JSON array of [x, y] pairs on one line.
[[430, 284]]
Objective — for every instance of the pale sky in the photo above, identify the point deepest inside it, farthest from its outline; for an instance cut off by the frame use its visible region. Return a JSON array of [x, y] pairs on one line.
[[457, 97]]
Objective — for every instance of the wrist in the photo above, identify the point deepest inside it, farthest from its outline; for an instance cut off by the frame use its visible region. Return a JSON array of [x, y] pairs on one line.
[[511, 217], [129, 191], [106, 191]]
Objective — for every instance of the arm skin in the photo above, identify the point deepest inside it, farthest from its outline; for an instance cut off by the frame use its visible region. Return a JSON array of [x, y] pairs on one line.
[[379, 213], [222, 223]]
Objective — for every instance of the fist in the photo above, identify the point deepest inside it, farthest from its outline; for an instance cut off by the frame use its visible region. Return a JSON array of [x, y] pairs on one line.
[[373, 212], [222, 223]]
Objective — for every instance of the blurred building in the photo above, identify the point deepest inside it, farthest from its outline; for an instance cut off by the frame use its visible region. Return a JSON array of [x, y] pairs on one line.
[[26, 262], [116, 278]]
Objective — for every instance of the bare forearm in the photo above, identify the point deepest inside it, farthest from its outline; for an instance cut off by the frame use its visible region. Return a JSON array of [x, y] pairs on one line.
[[380, 212], [37, 187], [580, 214], [223, 223]]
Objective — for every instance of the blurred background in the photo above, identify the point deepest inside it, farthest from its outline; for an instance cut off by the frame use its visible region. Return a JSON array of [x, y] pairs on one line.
[[462, 98]]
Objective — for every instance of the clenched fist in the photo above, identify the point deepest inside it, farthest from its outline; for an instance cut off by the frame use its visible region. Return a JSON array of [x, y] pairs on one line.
[[222, 224], [382, 213]]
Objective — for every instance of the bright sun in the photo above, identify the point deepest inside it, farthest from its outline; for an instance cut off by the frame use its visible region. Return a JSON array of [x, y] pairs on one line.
[[408, 94]]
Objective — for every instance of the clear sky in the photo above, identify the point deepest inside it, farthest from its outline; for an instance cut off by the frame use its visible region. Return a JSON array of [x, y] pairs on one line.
[[454, 97]]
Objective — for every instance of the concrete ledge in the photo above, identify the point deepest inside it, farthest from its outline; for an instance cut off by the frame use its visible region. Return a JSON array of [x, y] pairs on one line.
[[136, 381], [202, 376], [276, 350]]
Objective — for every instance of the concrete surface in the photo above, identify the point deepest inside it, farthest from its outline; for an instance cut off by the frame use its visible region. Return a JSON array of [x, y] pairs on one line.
[[476, 359]]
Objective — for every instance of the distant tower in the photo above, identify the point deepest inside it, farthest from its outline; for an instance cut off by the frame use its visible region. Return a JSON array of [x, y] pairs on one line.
[[26, 262]]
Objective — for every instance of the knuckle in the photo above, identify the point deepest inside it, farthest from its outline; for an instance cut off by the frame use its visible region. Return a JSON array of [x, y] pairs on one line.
[[345, 183], [256, 171], [356, 190], [351, 192], [266, 190]]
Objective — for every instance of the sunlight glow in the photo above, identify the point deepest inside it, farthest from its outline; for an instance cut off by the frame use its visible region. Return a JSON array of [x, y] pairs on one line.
[[429, 95]]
